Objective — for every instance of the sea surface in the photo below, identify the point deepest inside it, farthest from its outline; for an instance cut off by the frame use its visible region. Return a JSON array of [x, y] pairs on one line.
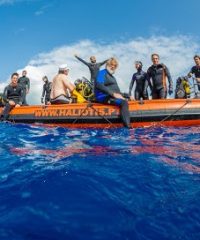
[[58, 183]]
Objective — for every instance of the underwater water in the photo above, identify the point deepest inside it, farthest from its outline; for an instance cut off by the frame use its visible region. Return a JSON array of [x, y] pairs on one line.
[[58, 183]]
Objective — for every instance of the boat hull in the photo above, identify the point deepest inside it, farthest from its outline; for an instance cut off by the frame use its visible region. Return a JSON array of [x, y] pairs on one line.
[[168, 112]]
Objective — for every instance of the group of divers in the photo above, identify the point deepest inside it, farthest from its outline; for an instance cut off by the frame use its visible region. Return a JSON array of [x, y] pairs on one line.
[[102, 87]]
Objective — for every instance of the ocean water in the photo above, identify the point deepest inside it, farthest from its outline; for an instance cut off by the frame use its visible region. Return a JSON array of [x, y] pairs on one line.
[[58, 183]]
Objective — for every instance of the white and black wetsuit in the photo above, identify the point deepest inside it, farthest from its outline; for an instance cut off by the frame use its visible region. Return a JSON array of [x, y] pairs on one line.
[[93, 67], [140, 78], [61, 99], [46, 92], [156, 74], [11, 93]]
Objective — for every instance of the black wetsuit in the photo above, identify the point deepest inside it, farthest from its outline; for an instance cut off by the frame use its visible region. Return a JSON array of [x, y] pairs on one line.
[[157, 74], [93, 67], [2, 103], [196, 71], [105, 86], [25, 84], [140, 77], [46, 92], [11, 93]]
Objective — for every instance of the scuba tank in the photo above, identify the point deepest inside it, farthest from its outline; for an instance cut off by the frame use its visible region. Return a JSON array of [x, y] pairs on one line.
[[182, 88], [85, 88]]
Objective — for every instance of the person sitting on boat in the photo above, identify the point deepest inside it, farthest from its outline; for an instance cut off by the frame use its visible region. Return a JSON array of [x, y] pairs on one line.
[[24, 81], [157, 74], [62, 88], [196, 70], [140, 78], [13, 96], [46, 91], [93, 67], [107, 90], [182, 88]]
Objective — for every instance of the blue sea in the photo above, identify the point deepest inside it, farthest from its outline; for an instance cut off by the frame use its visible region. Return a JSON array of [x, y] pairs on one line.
[[58, 183]]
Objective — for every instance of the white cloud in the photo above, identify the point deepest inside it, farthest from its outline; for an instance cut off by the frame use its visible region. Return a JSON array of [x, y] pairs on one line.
[[9, 2], [43, 9], [176, 52], [2, 2]]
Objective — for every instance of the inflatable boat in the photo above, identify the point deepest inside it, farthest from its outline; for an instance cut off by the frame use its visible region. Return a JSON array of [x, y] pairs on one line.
[[167, 112]]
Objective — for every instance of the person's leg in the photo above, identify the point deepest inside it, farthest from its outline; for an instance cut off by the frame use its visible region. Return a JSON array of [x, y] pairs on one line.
[[162, 93], [6, 110], [61, 100], [124, 111], [145, 96], [154, 94], [137, 95]]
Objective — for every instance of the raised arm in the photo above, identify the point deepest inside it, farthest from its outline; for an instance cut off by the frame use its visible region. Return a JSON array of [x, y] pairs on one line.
[[102, 63], [83, 61]]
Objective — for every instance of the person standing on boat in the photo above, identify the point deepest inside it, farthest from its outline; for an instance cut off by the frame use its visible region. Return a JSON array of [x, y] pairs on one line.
[[107, 90], [46, 91], [140, 78], [13, 96], [156, 75], [93, 67], [196, 70], [24, 81], [62, 88]]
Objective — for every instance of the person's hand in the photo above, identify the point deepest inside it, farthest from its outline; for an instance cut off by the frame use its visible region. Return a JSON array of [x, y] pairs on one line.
[[118, 95], [27, 91], [170, 91], [189, 75], [131, 98], [17, 105], [12, 103], [48, 103]]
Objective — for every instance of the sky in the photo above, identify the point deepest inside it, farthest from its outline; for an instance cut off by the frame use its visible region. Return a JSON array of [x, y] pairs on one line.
[[39, 35]]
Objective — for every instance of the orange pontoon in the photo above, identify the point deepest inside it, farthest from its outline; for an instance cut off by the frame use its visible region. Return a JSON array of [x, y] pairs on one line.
[[168, 112]]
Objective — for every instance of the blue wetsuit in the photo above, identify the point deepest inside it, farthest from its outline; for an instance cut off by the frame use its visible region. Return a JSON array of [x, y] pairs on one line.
[[105, 86]]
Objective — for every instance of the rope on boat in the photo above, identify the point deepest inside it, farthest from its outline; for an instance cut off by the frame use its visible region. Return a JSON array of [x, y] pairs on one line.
[[90, 105], [167, 117]]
